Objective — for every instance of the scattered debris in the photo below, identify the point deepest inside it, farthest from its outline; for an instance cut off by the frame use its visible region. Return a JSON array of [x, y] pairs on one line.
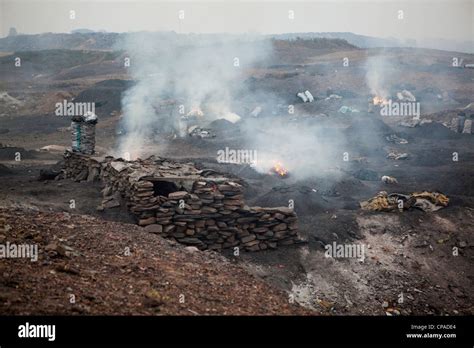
[[467, 129], [333, 96], [392, 138], [191, 249], [406, 96], [397, 155], [54, 249], [430, 201], [389, 180], [198, 132], [415, 122], [53, 148], [65, 268], [90, 117], [346, 109], [309, 96], [153, 299], [305, 96], [426, 201], [302, 96], [9, 101]]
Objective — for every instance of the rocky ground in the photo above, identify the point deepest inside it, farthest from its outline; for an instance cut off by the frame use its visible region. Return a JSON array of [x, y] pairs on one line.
[[89, 266]]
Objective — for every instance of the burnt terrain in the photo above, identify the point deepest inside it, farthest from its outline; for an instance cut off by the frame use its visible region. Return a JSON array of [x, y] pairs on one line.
[[409, 254]]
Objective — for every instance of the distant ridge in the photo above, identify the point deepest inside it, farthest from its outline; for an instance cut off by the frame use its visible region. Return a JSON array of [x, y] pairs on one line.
[[85, 39]]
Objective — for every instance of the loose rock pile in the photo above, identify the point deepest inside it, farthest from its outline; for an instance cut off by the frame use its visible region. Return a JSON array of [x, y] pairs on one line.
[[80, 167], [198, 208]]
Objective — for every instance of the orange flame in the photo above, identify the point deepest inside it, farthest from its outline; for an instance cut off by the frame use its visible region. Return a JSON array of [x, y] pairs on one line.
[[195, 111], [280, 170], [378, 100]]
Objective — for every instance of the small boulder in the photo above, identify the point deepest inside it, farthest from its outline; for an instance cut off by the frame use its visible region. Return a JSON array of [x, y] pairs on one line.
[[154, 228], [177, 195]]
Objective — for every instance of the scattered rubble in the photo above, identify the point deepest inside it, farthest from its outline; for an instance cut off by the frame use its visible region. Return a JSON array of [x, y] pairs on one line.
[[53, 148], [394, 155], [467, 129], [406, 96], [393, 138], [347, 109], [415, 122], [198, 132], [389, 180], [333, 97], [305, 96], [426, 201], [9, 102]]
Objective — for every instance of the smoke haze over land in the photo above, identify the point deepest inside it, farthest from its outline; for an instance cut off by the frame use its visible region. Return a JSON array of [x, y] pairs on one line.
[[202, 75]]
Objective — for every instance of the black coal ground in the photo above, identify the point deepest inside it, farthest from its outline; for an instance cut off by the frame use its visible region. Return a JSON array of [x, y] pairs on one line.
[[328, 210], [410, 253]]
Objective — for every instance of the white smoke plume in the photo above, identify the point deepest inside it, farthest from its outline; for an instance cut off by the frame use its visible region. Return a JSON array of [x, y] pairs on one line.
[[379, 73], [304, 149], [194, 73]]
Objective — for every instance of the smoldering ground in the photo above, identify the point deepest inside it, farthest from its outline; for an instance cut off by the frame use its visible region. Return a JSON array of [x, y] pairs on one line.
[[194, 74], [212, 75]]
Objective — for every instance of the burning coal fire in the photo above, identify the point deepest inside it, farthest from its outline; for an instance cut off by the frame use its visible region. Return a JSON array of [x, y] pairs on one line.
[[280, 170], [195, 111], [378, 100]]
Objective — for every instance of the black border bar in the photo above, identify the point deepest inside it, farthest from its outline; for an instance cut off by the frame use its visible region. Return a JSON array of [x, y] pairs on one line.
[[326, 330]]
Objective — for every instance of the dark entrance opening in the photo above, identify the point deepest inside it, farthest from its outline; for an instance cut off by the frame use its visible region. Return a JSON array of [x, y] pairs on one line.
[[164, 188]]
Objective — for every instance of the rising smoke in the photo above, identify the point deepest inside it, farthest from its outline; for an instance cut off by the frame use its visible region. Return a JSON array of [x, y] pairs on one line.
[[379, 73], [212, 75], [191, 71], [305, 149]]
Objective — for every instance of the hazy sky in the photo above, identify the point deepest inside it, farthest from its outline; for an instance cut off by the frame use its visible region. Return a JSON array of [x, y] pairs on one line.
[[449, 19]]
